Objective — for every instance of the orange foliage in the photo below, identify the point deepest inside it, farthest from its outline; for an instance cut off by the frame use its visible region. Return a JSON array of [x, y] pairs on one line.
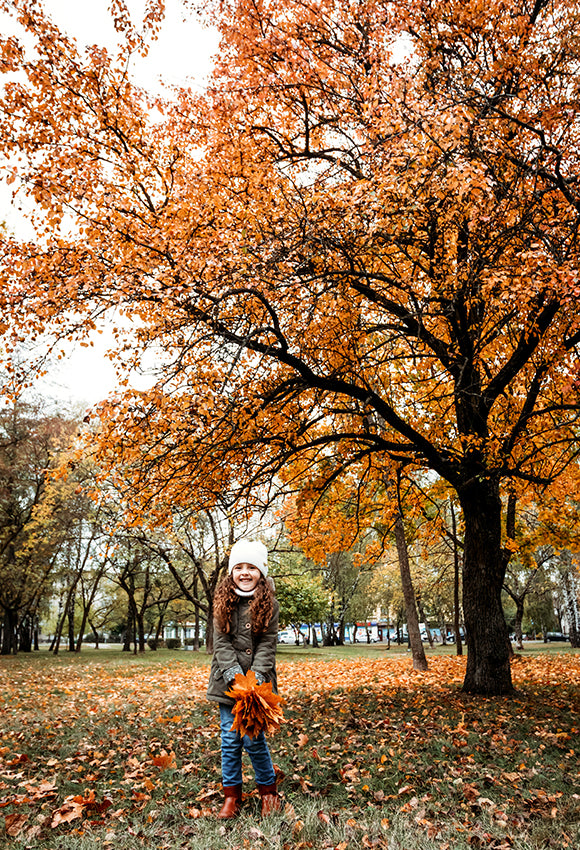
[[257, 708], [359, 243]]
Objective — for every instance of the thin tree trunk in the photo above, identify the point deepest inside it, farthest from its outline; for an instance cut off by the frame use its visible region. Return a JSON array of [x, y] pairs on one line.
[[456, 612], [65, 614], [140, 630], [129, 630], [95, 633], [417, 650], [87, 606], [423, 619], [196, 630], [518, 622], [571, 601], [71, 623]]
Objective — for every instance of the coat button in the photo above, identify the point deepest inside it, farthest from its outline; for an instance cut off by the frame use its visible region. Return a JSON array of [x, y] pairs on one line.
[[248, 651]]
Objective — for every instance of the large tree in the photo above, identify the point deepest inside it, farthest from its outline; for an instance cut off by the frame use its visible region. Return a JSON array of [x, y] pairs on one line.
[[362, 239]]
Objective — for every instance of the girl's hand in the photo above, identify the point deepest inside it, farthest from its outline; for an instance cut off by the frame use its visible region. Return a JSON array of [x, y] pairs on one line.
[[231, 673], [260, 678]]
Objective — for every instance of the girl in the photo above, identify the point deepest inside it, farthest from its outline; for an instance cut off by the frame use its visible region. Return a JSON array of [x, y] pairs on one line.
[[245, 638]]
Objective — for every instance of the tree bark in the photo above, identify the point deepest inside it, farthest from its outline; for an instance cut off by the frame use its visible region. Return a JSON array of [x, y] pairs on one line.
[[417, 650], [71, 623], [140, 630], [95, 633], [423, 619], [571, 600], [25, 634], [488, 648], [9, 632], [456, 572], [87, 604], [518, 622], [130, 630]]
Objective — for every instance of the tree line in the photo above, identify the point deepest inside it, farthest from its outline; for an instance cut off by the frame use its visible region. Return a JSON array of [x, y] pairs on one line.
[[74, 567]]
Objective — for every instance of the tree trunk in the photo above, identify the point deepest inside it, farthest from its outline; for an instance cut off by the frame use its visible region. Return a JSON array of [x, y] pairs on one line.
[[456, 611], [423, 619], [25, 634], [417, 650], [87, 605], [71, 623], [571, 601], [140, 630], [129, 631], [9, 632], [518, 622], [196, 630], [209, 628], [95, 633], [488, 647]]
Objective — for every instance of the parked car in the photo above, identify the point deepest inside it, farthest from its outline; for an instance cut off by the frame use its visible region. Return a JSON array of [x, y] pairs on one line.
[[287, 636], [551, 636]]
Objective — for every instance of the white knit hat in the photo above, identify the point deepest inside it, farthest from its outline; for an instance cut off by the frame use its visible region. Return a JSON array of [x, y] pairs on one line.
[[249, 552]]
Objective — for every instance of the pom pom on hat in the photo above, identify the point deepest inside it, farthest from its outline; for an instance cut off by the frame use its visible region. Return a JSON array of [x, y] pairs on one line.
[[249, 552]]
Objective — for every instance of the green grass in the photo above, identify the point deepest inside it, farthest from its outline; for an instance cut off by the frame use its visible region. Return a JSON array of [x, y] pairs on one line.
[[412, 766]]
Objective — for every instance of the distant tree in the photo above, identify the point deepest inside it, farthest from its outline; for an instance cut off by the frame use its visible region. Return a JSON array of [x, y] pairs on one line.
[[34, 519]]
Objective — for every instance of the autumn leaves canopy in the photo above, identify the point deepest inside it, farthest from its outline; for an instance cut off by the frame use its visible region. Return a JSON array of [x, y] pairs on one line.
[[356, 250]]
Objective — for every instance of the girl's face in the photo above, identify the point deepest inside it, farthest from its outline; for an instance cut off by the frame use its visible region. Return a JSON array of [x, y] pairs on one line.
[[246, 577]]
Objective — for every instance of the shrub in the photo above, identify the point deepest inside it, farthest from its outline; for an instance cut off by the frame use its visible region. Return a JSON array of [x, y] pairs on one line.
[[173, 643]]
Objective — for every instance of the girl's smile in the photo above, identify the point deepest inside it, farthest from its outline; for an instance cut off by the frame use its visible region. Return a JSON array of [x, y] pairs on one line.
[[246, 577]]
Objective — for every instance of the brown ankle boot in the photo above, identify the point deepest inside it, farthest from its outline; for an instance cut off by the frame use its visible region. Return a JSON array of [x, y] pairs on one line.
[[270, 800], [232, 803]]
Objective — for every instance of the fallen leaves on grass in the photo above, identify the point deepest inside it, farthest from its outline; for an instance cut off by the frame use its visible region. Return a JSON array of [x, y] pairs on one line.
[[76, 805], [88, 748]]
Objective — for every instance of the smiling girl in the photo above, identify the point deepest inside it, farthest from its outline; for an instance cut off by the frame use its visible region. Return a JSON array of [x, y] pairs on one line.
[[245, 638]]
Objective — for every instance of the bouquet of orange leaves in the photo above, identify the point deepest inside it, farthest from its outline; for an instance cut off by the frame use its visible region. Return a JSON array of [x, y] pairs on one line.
[[257, 708]]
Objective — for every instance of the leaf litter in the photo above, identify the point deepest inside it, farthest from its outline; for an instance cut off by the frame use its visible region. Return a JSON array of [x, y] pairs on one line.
[[368, 745]]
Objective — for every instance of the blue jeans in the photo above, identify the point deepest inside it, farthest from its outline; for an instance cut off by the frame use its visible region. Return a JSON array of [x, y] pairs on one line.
[[232, 745]]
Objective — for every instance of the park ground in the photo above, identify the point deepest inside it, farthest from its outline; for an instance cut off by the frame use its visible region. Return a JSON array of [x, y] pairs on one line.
[[121, 752]]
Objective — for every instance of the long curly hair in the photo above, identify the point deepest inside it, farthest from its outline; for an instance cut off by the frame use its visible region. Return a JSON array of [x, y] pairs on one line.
[[261, 605]]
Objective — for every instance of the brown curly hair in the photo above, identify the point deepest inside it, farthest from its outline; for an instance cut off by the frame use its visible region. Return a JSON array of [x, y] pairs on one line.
[[261, 605]]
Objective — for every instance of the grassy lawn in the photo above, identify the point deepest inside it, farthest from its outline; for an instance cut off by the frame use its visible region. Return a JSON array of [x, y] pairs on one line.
[[118, 751]]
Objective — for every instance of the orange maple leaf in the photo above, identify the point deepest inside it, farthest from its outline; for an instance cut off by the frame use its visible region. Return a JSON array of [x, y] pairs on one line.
[[257, 708], [165, 760]]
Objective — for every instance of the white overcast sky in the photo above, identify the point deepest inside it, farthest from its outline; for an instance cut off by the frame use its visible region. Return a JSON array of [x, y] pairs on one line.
[[182, 55]]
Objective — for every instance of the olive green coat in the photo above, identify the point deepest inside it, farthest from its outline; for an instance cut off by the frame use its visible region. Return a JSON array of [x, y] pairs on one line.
[[239, 646]]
